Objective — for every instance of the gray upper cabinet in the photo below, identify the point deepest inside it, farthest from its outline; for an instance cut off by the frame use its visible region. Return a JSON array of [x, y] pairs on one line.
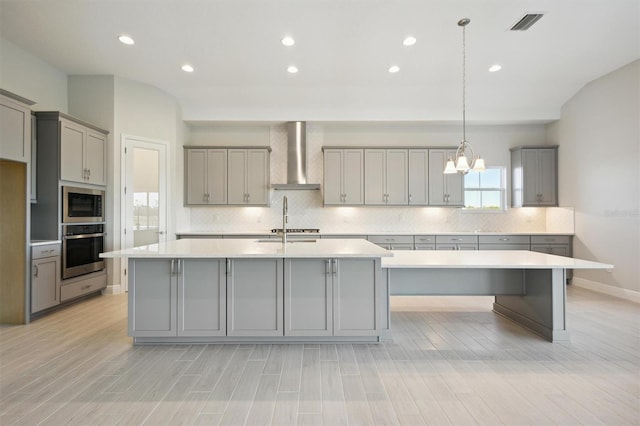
[[343, 176], [206, 176], [82, 149], [534, 176], [444, 190], [82, 154], [15, 127], [418, 177], [386, 176], [248, 176]]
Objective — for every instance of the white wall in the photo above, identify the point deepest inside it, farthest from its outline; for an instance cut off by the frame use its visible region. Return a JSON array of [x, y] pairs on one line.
[[305, 207], [30, 77], [599, 158]]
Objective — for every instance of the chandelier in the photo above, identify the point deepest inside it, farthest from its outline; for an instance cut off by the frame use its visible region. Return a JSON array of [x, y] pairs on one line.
[[460, 164]]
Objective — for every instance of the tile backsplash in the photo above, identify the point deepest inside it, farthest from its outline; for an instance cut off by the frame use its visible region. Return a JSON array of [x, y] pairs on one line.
[[306, 209]]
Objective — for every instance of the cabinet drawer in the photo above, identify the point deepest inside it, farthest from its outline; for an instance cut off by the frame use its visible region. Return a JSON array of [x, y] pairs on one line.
[[503, 246], [425, 239], [391, 239], [48, 250], [503, 239], [80, 288], [550, 239], [425, 247], [456, 239]]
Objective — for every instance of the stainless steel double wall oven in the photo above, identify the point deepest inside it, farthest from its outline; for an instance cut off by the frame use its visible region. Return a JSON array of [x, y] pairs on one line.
[[82, 231]]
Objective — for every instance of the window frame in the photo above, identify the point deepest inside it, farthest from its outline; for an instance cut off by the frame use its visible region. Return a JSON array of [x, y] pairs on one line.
[[502, 190]]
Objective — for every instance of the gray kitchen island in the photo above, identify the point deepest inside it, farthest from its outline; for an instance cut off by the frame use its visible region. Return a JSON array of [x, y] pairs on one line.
[[331, 290], [238, 290]]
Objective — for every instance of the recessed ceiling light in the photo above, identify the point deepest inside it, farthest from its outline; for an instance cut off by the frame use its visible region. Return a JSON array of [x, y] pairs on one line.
[[496, 67], [288, 41], [409, 41], [187, 68], [125, 39], [394, 69], [292, 69]]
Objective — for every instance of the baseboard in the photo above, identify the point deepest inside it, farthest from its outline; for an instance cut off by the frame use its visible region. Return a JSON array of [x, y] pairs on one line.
[[112, 289], [622, 293]]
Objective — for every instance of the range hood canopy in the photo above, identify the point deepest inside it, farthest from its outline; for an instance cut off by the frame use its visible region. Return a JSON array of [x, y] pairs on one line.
[[296, 158]]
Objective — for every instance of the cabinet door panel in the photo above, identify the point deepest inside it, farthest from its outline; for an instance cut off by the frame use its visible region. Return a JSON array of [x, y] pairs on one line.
[[236, 183], [355, 286], [418, 177], [216, 175], [530, 172], [437, 189], [374, 177], [152, 295], [72, 152], [45, 283], [397, 169], [14, 130], [353, 176], [257, 176], [333, 176], [196, 176], [547, 177], [202, 298], [308, 297], [254, 297], [95, 158]]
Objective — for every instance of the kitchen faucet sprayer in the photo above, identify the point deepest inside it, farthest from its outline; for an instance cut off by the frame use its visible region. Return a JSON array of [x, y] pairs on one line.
[[285, 209]]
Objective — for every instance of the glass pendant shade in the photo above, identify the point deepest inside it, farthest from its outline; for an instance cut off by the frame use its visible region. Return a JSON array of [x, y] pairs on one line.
[[450, 167], [462, 165], [478, 165]]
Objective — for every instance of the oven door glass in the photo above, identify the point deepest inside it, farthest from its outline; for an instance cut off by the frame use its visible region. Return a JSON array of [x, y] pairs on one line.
[[82, 255]]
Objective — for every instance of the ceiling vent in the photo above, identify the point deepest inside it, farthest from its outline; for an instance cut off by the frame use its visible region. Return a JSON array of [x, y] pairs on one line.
[[526, 22]]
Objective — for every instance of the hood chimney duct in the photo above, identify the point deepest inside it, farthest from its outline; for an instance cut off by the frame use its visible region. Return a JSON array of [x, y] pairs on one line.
[[296, 158]]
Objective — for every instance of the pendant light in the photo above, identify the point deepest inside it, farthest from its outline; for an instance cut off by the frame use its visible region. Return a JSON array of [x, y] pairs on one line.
[[461, 164]]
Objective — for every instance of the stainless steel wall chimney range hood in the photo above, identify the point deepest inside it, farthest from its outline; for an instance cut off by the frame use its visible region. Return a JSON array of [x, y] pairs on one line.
[[296, 158]]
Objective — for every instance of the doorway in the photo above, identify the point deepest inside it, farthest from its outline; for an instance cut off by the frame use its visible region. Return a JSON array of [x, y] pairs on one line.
[[144, 194]]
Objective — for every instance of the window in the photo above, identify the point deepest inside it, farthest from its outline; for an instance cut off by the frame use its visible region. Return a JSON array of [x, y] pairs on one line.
[[485, 191]]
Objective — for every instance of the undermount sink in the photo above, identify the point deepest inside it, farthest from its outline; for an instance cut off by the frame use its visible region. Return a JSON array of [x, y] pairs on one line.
[[288, 241]]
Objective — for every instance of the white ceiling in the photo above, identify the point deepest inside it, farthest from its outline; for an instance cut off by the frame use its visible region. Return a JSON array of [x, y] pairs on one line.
[[343, 50]]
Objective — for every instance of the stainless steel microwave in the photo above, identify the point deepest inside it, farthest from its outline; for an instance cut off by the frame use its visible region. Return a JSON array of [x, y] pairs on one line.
[[82, 205]]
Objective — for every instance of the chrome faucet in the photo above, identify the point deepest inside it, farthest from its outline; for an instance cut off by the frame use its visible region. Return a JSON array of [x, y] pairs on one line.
[[285, 209]]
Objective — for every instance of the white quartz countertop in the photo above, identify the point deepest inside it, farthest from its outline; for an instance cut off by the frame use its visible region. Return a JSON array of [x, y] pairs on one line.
[[498, 259], [268, 232], [245, 248]]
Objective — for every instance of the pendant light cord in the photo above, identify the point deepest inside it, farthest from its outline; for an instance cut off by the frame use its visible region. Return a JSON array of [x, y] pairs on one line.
[[464, 85]]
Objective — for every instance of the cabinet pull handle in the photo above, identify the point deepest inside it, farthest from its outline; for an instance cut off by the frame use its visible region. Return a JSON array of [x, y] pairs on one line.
[[410, 197], [173, 266], [389, 239], [328, 267], [229, 271], [179, 267], [335, 266], [503, 239], [35, 271], [85, 287], [456, 239]]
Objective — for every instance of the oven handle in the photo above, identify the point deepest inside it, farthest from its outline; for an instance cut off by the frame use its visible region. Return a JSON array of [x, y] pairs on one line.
[[75, 237]]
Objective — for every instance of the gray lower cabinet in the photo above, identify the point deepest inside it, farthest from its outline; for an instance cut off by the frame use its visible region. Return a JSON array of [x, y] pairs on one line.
[[255, 297], [356, 291], [176, 297], [331, 297], [308, 297], [392, 242], [45, 277], [456, 242]]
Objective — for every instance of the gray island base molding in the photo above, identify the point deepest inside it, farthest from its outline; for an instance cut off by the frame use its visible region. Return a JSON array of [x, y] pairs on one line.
[[261, 291], [529, 287]]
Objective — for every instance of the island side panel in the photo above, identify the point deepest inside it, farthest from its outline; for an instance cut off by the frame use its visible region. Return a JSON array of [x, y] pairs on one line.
[[255, 297], [543, 306]]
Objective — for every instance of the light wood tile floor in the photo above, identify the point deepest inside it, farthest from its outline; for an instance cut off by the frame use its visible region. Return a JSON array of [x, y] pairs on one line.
[[452, 361]]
